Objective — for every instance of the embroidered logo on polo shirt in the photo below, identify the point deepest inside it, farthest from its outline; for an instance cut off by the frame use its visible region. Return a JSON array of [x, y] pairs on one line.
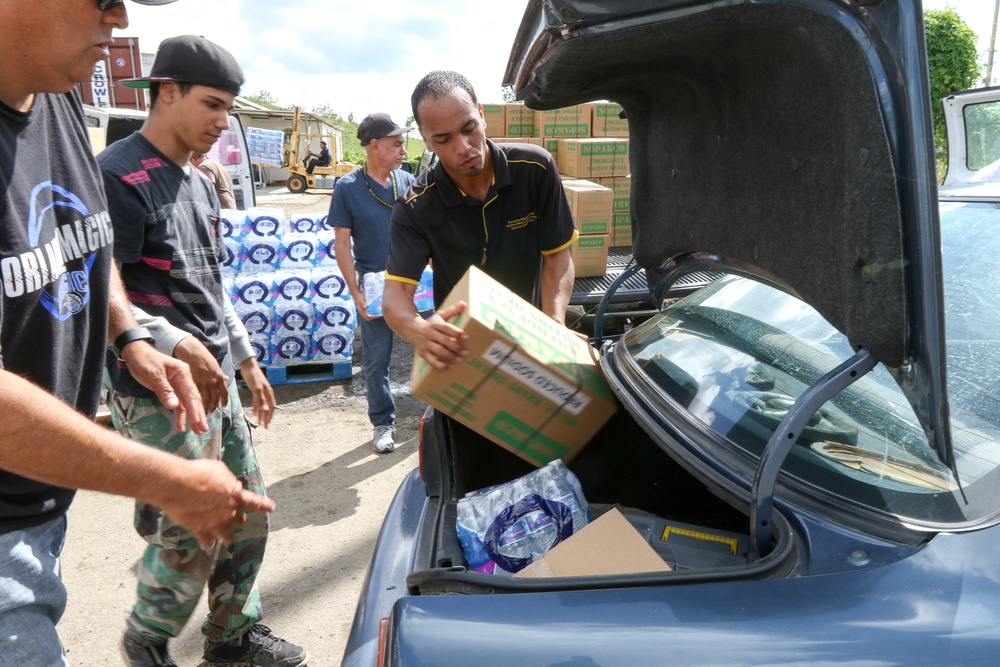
[[520, 223]]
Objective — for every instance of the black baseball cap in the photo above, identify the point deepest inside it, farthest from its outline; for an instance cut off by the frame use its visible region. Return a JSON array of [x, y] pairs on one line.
[[192, 59], [376, 126]]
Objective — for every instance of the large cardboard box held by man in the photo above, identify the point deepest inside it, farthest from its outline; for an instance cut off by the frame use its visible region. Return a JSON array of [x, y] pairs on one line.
[[528, 384]]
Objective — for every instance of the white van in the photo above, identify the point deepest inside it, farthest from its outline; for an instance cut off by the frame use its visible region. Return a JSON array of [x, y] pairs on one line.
[[973, 121], [107, 125]]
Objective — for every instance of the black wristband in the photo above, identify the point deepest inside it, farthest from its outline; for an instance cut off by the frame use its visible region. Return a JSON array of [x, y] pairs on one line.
[[130, 336]]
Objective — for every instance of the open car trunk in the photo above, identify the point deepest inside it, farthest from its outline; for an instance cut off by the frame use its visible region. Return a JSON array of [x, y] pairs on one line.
[[620, 467]]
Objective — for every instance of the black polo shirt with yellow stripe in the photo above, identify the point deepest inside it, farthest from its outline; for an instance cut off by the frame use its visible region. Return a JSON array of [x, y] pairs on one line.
[[524, 217]]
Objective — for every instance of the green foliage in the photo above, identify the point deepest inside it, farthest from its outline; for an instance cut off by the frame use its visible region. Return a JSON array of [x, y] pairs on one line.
[[265, 99], [326, 111], [953, 63]]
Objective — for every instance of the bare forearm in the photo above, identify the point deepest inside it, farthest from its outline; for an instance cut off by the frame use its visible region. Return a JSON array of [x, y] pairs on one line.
[[74, 452], [120, 317], [557, 284], [342, 251]]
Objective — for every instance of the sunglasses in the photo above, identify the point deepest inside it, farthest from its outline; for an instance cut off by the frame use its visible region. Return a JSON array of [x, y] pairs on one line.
[[105, 5]]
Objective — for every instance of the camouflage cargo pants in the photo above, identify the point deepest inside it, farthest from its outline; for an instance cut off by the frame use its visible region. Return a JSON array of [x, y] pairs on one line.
[[174, 568]]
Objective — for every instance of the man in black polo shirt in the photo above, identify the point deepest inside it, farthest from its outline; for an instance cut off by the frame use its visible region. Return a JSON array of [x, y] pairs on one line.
[[498, 207]]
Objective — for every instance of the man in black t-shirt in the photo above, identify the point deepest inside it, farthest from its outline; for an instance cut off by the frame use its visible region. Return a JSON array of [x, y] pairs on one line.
[[499, 207], [168, 243], [61, 301]]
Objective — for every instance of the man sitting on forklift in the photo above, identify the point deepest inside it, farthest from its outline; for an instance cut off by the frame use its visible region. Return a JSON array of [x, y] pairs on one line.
[[321, 159]]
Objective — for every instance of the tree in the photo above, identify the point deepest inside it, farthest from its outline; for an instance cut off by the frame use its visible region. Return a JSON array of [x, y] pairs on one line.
[[264, 98], [326, 111], [953, 63]]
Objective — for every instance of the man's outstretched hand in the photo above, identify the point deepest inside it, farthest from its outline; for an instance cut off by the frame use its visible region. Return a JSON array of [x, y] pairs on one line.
[[212, 502]]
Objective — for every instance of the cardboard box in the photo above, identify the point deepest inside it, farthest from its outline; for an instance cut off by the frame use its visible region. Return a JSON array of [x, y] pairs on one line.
[[587, 158], [605, 120], [551, 144], [590, 205], [564, 178], [607, 545], [537, 141], [519, 121], [621, 230], [566, 122], [528, 384], [622, 187], [590, 255], [493, 114]]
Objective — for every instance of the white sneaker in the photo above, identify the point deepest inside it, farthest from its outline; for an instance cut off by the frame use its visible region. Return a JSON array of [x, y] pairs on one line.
[[382, 442]]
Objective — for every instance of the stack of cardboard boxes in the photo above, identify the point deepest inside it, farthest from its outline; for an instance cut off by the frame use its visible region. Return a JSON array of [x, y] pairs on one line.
[[590, 146]]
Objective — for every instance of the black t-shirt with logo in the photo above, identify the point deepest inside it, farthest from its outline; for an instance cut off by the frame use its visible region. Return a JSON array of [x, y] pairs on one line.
[[55, 261], [168, 242], [525, 216]]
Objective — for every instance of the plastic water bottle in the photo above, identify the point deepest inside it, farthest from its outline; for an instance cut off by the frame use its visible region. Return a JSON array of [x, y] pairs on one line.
[[295, 317], [233, 224], [289, 286], [335, 314], [258, 319], [290, 348], [266, 222], [423, 298], [328, 283], [261, 253], [298, 252], [374, 285], [253, 289], [334, 345]]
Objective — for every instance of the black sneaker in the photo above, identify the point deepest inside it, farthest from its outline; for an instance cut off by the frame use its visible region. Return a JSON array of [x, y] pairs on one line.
[[257, 648], [139, 655]]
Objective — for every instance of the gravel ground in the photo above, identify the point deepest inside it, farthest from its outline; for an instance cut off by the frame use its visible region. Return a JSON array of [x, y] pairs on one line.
[[331, 490]]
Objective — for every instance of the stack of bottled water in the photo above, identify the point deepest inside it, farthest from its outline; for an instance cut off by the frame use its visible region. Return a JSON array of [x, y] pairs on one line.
[[286, 290], [374, 283]]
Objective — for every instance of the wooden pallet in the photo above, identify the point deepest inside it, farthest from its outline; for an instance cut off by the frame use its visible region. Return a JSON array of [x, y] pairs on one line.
[[314, 371]]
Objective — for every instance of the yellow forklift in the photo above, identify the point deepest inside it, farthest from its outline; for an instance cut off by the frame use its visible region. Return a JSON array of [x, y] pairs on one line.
[[301, 147]]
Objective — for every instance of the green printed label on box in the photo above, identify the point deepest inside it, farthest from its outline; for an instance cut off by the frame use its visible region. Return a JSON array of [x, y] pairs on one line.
[[607, 110], [523, 438], [591, 242], [593, 228]]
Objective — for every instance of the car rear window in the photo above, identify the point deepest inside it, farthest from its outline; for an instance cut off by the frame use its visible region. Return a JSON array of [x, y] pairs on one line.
[[738, 353]]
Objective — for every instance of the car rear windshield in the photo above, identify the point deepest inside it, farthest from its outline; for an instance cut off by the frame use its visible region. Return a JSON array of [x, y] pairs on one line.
[[738, 353]]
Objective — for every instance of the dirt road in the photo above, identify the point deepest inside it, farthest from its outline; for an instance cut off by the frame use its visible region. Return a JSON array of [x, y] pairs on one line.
[[331, 490]]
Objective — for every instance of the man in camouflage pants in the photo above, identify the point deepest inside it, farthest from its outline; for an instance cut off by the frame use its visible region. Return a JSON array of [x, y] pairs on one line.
[[168, 243]]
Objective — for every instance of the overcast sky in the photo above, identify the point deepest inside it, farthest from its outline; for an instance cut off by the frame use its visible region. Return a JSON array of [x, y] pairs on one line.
[[364, 57], [359, 57]]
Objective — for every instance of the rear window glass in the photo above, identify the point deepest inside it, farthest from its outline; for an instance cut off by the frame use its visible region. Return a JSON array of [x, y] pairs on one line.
[[737, 354]]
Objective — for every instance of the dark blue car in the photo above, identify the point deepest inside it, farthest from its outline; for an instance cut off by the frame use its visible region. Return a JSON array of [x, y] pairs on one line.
[[831, 403]]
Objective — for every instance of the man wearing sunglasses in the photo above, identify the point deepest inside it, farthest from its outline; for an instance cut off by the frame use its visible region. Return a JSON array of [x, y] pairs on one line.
[[61, 301]]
